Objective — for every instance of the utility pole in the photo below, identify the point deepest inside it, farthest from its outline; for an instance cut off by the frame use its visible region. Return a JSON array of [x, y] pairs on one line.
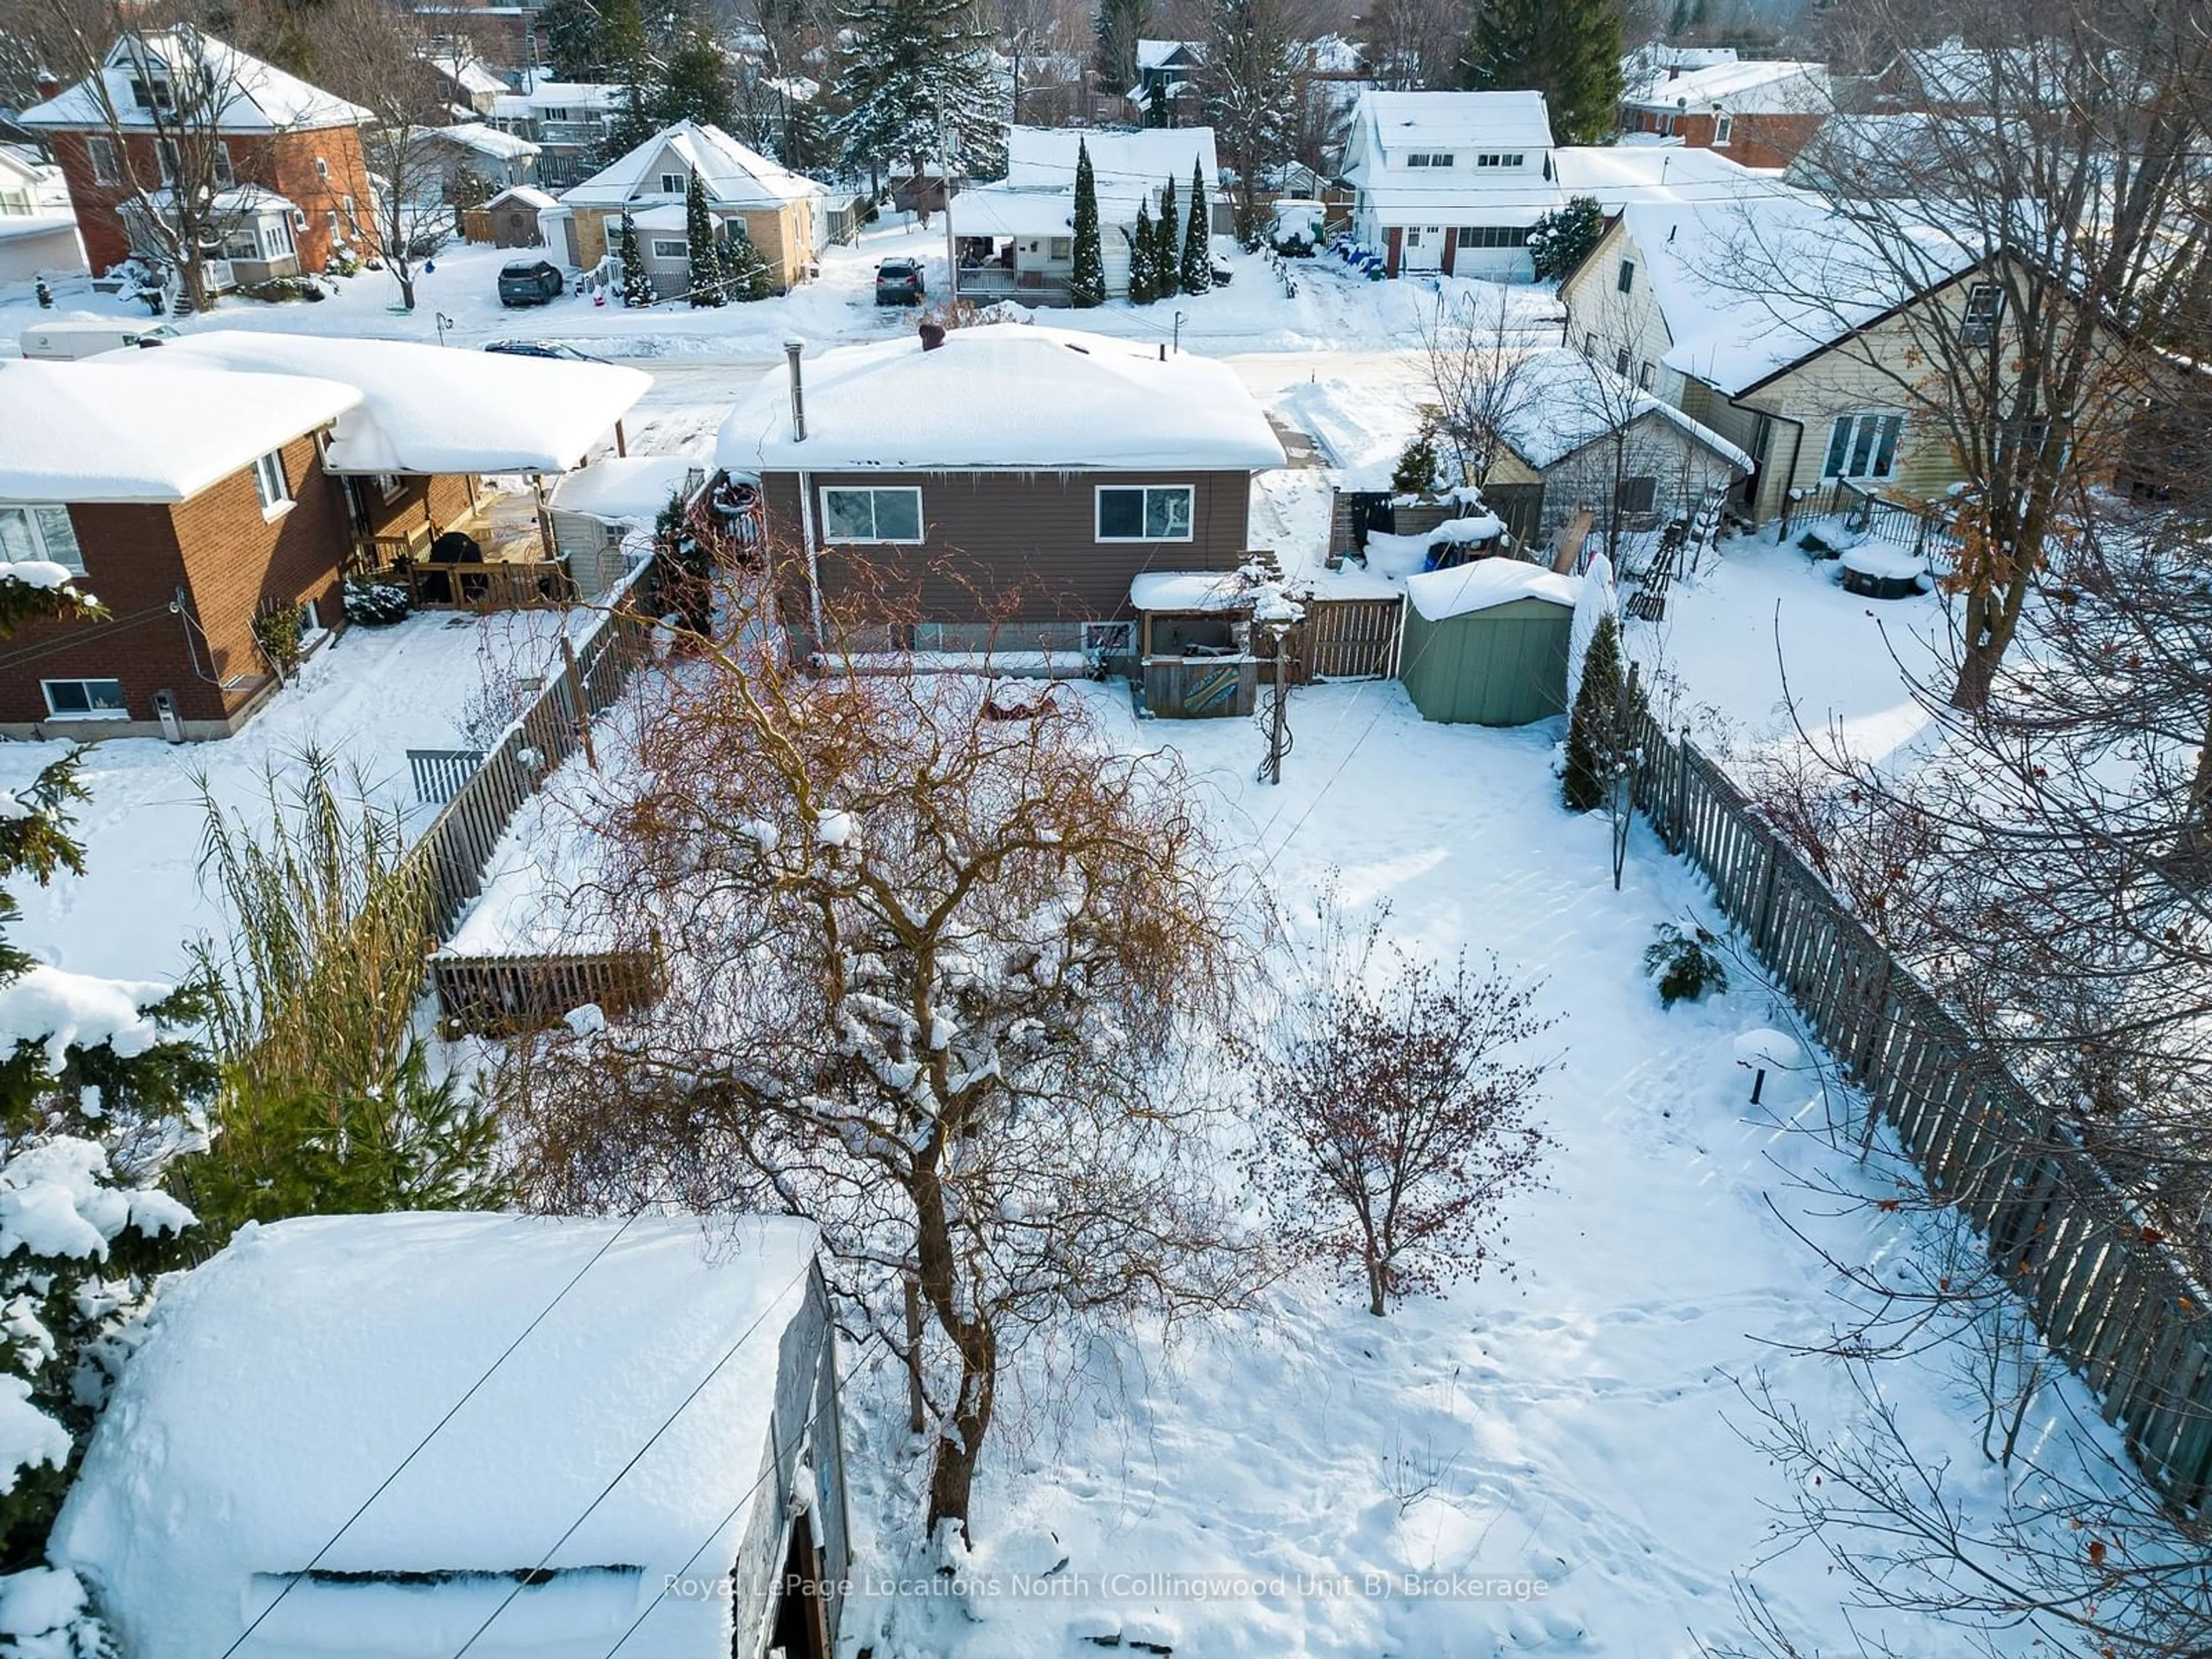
[[1178, 331], [944, 183], [1279, 702]]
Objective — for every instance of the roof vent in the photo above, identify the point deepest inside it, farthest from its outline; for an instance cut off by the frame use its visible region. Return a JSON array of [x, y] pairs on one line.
[[933, 336]]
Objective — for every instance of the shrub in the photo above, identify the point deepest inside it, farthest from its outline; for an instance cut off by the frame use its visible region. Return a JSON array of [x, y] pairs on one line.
[[281, 290], [1416, 472], [1560, 240], [279, 631], [1684, 963], [374, 604], [1602, 727]]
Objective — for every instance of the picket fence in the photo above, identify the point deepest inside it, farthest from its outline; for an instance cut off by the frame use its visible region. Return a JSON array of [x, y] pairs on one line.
[[2118, 1291]]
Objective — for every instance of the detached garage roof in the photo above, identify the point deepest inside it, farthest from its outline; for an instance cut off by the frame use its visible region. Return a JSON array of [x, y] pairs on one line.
[[1485, 584], [1004, 398], [618, 1375], [426, 409], [138, 429]]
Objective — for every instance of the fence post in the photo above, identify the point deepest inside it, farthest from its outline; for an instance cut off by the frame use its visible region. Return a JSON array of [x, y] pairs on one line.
[[577, 700]]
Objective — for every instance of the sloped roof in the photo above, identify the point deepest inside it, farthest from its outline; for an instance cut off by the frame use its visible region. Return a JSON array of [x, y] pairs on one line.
[[486, 140], [1123, 163], [575, 95], [253, 96], [734, 175], [1158, 54], [471, 76], [284, 1380], [427, 408], [1453, 121], [1567, 403], [1617, 174], [139, 430], [1485, 584], [528, 195], [997, 397], [1763, 87]]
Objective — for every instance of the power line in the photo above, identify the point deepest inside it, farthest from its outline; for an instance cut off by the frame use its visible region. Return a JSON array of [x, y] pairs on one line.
[[524, 1580], [331, 1542]]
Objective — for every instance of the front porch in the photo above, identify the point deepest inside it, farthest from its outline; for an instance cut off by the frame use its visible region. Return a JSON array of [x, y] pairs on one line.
[[495, 553]]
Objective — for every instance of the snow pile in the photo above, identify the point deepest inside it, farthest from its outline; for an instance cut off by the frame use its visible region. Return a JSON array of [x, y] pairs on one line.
[[37, 572], [425, 408], [1597, 599], [29, 1437], [1406, 555], [1005, 398], [42, 1613], [60, 1011], [285, 1379], [56, 1201], [1485, 584], [1189, 590], [1894, 564], [1770, 1047], [142, 426]]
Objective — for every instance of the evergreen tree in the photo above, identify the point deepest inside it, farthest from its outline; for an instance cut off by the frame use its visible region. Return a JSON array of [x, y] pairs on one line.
[[1603, 727], [1120, 24], [575, 37], [909, 63], [1559, 239], [1197, 253], [709, 266], [746, 272], [1568, 50], [636, 286], [1249, 90], [1087, 287], [1144, 273], [88, 1125], [1167, 245], [693, 84]]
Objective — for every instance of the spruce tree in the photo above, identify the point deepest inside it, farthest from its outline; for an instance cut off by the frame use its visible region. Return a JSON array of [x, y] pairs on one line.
[[1599, 730], [694, 83], [1143, 274], [1087, 286], [1197, 253], [1560, 240], [1568, 50], [1167, 245], [1120, 25], [708, 269], [636, 286], [746, 272], [908, 61]]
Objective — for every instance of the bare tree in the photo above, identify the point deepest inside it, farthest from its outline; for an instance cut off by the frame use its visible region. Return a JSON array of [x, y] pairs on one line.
[[937, 956], [1393, 1119], [1475, 364], [2041, 186], [1416, 46]]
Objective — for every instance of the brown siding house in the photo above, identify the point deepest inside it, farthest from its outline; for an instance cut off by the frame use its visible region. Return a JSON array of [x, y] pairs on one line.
[[186, 537], [1024, 546]]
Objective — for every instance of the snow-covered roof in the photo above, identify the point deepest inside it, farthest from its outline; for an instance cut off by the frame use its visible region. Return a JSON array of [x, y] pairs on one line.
[[1564, 402], [1455, 121], [1730, 327], [1158, 54], [136, 429], [1485, 583], [994, 397], [1010, 210], [1617, 174], [1123, 163], [487, 141], [1190, 590], [427, 409], [734, 175], [1654, 58], [471, 77], [1764, 87], [622, 488], [575, 95], [524, 195], [288, 1377], [253, 96]]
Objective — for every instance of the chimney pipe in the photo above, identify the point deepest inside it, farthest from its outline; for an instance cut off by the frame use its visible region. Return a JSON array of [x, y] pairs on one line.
[[791, 350], [48, 86]]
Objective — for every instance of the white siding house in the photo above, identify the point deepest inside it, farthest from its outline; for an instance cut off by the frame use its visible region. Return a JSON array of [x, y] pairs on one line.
[[1450, 181]]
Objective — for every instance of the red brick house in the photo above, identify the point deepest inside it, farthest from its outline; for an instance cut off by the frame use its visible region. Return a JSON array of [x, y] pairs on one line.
[[287, 160], [190, 502], [1761, 113]]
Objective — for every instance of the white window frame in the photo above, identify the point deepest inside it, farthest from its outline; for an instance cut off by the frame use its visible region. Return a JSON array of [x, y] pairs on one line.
[[43, 543], [1624, 280], [1861, 439], [1501, 158], [921, 524], [226, 172], [388, 485], [1982, 330], [1059, 247], [106, 171], [269, 485], [46, 688], [1723, 129], [1189, 492], [672, 247], [673, 184]]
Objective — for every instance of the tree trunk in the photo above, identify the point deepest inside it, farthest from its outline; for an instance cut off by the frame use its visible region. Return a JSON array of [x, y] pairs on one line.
[[191, 272], [1379, 1287], [917, 1404], [407, 290], [952, 1472]]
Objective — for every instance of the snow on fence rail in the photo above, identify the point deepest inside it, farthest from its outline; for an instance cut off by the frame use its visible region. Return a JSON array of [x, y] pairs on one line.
[[2119, 1296]]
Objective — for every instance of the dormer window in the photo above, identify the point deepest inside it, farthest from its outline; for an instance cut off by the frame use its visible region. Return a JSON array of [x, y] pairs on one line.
[[156, 93], [671, 184], [1500, 158], [1429, 158]]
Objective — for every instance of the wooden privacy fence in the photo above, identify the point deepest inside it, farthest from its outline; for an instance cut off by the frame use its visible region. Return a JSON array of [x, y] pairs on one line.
[[439, 774], [499, 996], [495, 585], [2117, 1292], [1339, 639]]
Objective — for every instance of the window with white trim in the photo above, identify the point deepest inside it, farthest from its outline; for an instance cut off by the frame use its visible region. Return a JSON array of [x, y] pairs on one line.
[[890, 514], [224, 174], [1723, 127], [1984, 306], [105, 169], [1059, 247], [1493, 236], [1498, 158], [40, 532], [1647, 375], [85, 700], [322, 169], [671, 184], [1625, 280], [1145, 513], [1430, 158], [1862, 447], [1620, 361], [671, 247], [269, 481], [277, 239]]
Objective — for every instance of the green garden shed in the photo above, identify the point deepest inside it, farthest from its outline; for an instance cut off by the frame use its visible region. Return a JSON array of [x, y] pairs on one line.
[[1487, 643]]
